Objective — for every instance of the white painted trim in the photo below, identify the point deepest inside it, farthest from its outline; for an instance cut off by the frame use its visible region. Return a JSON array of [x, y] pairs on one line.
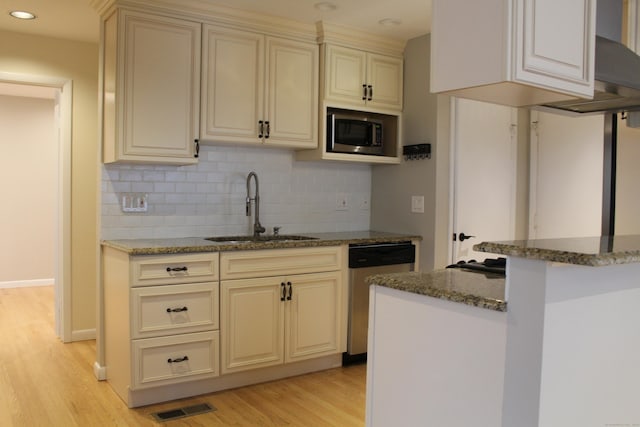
[[453, 189], [83, 335], [533, 174], [633, 33], [100, 371], [27, 283], [63, 239]]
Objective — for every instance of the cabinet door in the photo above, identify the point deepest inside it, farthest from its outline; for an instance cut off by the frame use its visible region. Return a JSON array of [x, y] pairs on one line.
[[232, 85], [292, 93], [345, 74], [555, 43], [313, 323], [385, 78], [251, 323], [158, 89]]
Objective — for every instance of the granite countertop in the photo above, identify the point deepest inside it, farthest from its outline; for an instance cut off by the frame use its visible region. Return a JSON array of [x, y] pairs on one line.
[[457, 285], [199, 244], [590, 251]]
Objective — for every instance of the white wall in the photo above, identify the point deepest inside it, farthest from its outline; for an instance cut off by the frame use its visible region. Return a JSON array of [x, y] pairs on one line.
[[208, 199], [566, 185], [28, 176], [628, 180]]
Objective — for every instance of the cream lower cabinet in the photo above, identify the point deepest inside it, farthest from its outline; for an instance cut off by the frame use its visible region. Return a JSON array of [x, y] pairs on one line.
[[258, 89], [267, 321], [161, 320]]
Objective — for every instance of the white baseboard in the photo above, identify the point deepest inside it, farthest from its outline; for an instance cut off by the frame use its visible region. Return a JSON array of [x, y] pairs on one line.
[[83, 335], [99, 371], [26, 283]]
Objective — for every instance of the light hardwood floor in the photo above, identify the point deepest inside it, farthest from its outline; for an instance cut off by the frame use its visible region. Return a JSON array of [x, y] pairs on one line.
[[44, 382]]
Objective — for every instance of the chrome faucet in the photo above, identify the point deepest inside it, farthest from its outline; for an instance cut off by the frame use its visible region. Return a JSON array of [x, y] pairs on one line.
[[257, 227]]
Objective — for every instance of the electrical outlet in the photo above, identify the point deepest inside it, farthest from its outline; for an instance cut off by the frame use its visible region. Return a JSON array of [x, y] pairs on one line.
[[417, 204], [342, 202], [364, 203]]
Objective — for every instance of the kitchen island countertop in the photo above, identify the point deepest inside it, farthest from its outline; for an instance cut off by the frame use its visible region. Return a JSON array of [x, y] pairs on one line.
[[485, 290], [200, 244], [589, 251]]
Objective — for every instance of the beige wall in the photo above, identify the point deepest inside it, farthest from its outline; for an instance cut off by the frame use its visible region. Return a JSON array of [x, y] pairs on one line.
[[78, 61], [28, 176], [393, 185]]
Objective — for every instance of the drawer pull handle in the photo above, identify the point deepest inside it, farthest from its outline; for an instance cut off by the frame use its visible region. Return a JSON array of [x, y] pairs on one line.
[[177, 310], [169, 269], [178, 360]]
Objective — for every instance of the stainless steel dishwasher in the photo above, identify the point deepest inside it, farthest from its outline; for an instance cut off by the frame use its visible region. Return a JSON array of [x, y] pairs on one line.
[[367, 260]]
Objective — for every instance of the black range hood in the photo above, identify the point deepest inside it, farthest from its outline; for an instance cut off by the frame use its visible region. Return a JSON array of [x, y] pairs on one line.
[[617, 82]]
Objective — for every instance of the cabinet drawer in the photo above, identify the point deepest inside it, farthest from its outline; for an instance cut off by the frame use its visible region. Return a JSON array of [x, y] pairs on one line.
[[171, 309], [171, 269], [275, 262], [175, 359]]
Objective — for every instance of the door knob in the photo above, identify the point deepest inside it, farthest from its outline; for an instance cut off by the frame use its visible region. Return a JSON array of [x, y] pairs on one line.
[[464, 237]]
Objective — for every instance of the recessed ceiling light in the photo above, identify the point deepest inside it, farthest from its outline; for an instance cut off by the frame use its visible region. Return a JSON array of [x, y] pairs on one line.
[[389, 22], [325, 6], [21, 14]]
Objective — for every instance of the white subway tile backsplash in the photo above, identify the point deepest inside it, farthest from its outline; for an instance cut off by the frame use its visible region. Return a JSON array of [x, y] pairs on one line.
[[208, 199]]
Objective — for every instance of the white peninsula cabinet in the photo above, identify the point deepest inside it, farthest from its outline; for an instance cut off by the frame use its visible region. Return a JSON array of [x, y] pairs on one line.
[[150, 88], [513, 52], [258, 89], [362, 78], [281, 306]]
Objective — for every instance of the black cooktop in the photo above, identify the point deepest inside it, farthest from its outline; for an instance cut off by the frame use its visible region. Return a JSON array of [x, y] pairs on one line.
[[489, 265]]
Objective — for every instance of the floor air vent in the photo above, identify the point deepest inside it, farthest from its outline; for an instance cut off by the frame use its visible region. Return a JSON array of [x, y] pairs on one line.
[[173, 414]]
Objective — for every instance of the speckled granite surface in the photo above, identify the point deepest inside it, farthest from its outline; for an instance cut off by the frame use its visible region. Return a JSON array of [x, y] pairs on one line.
[[476, 289], [199, 244], [591, 251]]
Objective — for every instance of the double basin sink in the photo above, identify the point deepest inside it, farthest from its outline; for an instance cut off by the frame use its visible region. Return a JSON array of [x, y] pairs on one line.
[[257, 239]]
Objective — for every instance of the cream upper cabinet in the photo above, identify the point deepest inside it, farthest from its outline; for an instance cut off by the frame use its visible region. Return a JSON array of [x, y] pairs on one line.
[[151, 88], [362, 78], [258, 89], [513, 52]]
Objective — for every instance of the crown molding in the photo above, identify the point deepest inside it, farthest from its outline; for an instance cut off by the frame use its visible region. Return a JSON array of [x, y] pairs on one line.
[[205, 12], [358, 39]]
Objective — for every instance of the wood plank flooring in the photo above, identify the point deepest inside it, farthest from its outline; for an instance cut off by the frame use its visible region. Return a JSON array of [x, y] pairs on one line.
[[44, 382]]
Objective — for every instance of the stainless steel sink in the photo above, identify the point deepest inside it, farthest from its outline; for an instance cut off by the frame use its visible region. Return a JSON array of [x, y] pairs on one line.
[[253, 239]]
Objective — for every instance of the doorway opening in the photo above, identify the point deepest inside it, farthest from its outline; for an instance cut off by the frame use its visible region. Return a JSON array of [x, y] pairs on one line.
[[60, 91]]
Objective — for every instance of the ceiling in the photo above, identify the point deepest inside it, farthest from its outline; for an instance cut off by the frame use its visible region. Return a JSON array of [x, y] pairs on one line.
[[77, 20]]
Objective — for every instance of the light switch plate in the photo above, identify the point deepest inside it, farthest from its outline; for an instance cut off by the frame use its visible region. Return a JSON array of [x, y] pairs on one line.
[[417, 204]]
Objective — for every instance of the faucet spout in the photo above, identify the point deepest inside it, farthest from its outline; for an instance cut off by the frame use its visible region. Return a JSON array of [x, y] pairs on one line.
[[257, 227]]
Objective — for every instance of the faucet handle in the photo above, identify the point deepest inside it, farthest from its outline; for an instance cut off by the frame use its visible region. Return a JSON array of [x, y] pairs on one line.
[[276, 231]]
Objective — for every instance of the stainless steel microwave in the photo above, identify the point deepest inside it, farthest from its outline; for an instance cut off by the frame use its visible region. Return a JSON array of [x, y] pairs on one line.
[[355, 134]]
